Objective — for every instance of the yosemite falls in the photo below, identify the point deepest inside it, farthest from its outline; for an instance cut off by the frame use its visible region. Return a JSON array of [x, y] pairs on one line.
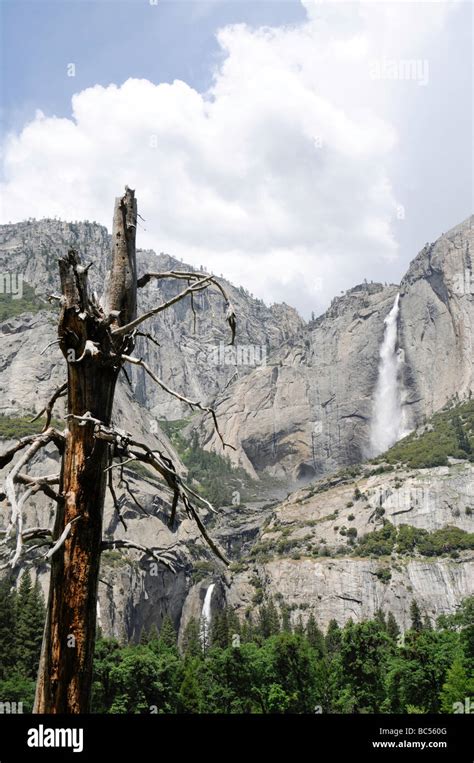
[[387, 417], [206, 616]]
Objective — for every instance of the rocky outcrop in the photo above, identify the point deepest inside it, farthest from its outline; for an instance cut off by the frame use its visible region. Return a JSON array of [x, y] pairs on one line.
[[425, 498], [340, 589], [191, 356], [309, 410], [437, 322], [294, 552], [305, 556], [295, 400]]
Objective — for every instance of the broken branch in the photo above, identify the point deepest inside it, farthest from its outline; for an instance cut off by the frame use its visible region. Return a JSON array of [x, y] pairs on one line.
[[48, 409], [55, 436], [191, 275], [61, 539], [129, 544], [127, 448], [192, 403], [121, 330], [110, 478]]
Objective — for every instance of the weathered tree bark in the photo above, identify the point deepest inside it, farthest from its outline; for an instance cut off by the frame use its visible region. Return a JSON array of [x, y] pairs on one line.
[[96, 339], [93, 357]]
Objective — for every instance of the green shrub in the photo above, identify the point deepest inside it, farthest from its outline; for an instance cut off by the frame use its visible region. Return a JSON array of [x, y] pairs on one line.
[[409, 540], [451, 435], [444, 541], [114, 558], [12, 427], [286, 544], [384, 574], [201, 570], [29, 303], [218, 480], [379, 542]]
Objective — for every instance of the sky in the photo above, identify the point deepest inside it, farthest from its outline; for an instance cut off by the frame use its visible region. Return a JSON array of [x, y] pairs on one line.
[[297, 147]]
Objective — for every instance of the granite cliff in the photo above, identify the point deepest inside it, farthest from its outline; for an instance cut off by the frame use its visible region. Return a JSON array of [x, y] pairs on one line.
[[314, 397], [297, 403]]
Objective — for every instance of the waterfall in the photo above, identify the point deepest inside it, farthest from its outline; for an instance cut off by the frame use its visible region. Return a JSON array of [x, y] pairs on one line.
[[206, 613], [387, 417]]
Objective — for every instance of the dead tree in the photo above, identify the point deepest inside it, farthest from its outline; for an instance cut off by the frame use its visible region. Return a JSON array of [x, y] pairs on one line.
[[97, 339]]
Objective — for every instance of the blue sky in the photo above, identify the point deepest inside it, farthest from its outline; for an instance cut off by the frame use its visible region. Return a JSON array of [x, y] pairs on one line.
[[111, 40], [260, 141]]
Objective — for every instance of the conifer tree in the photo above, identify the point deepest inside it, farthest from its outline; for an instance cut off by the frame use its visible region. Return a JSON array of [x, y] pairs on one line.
[[426, 623], [285, 618], [315, 636], [248, 629], [190, 693], [33, 619], [7, 626], [145, 636], [168, 637], [392, 627], [415, 615], [233, 623], [299, 627], [192, 639], [333, 637], [380, 618], [457, 687], [461, 435], [30, 615], [220, 629], [274, 625], [262, 622], [268, 619]]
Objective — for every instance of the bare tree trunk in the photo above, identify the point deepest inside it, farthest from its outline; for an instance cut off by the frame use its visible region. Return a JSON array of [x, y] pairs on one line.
[[96, 340], [93, 355]]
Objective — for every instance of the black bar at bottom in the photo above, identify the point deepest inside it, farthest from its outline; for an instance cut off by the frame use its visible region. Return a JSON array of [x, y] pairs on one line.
[[124, 737]]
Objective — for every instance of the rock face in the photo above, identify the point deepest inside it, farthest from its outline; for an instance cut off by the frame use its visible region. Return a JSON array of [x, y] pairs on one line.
[[133, 594], [293, 551], [437, 322], [295, 400], [308, 411], [345, 588], [313, 523], [191, 361]]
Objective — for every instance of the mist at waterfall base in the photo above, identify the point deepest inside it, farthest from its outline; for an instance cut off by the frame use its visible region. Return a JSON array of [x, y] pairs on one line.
[[387, 418]]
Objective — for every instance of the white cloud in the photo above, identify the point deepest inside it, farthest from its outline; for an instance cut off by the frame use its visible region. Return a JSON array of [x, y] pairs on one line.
[[278, 177]]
